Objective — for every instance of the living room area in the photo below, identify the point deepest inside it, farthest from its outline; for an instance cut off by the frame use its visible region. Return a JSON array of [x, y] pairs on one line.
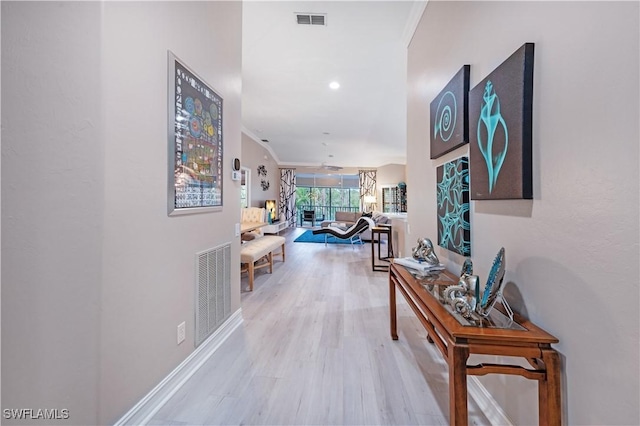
[[321, 199]]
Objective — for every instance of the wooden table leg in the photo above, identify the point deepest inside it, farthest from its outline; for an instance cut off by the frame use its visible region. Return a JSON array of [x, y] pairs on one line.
[[458, 412], [392, 308], [549, 399], [373, 256]]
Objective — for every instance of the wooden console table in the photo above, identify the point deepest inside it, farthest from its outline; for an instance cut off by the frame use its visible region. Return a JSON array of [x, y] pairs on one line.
[[457, 341]]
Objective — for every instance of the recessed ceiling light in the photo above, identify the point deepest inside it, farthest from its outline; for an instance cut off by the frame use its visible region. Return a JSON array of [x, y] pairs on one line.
[[334, 85]]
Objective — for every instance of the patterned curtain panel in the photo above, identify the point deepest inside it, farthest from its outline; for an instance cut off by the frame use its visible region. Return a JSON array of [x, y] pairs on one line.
[[367, 185], [288, 195]]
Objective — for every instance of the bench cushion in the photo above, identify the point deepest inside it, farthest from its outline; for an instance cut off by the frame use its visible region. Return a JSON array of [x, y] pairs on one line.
[[254, 250]]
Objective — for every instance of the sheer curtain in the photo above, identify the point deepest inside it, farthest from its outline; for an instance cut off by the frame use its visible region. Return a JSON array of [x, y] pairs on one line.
[[287, 204]]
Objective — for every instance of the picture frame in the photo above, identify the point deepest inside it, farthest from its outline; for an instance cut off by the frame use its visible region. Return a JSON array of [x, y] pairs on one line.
[[195, 142], [449, 115], [452, 194], [500, 130]]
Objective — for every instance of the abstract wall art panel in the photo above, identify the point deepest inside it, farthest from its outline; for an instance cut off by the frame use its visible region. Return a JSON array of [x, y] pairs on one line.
[[195, 142], [449, 115], [500, 122], [454, 230]]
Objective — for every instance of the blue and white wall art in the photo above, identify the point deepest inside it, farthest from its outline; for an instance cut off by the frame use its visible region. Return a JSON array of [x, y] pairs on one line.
[[500, 122], [449, 113], [454, 230]]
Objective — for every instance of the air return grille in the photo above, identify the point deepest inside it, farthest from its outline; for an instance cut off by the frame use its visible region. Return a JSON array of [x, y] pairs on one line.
[[311, 18], [213, 290]]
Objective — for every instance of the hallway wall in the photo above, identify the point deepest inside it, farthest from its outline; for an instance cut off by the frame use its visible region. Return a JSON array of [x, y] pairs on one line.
[[149, 286], [254, 155], [572, 252], [52, 207]]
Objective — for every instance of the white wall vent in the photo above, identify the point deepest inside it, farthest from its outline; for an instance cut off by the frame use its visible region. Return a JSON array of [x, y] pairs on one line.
[[311, 18], [213, 290]]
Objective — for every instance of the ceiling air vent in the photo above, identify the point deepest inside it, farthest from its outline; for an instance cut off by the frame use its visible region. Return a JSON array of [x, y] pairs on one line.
[[311, 18]]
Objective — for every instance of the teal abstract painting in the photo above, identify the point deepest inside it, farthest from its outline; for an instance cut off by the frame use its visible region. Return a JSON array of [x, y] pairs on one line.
[[452, 192], [449, 115], [500, 130]]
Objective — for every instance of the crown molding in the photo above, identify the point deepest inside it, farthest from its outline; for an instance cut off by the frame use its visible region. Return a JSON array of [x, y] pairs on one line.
[[414, 19], [257, 140]]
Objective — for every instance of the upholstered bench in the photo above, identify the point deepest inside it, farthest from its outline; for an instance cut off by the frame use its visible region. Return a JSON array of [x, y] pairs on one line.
[[259, 253]]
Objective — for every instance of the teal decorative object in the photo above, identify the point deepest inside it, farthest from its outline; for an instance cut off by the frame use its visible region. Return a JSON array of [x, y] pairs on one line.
[[491, 121], [493, 288]]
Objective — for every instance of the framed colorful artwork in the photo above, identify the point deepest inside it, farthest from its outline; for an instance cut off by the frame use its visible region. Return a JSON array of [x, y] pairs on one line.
[[449, 115], [195, 142], [500, 123], [452, 192]]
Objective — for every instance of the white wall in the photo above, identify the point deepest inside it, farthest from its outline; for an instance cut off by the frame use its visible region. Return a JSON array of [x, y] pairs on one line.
[[99, 275], [149, 257], [52, 207], [572, 252], [254, 155]]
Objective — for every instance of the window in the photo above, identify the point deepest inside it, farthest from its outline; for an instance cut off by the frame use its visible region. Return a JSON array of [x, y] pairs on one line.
[[327, 194]]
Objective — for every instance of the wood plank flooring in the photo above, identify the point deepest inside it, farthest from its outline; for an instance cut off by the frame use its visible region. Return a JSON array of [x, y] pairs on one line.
[[314, 349]]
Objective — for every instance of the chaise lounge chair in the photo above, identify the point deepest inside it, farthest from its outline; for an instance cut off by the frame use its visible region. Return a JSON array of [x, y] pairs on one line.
[[352, 233]]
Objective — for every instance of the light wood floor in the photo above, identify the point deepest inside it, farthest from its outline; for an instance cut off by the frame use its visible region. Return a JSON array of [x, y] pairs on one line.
[[314, 349]]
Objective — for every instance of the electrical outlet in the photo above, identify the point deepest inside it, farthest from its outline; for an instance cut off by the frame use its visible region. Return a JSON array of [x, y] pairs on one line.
[[182, 332]]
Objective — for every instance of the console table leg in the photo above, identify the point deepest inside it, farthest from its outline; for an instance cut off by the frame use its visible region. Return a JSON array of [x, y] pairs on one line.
[[458, 412], [373, 256], [392, 308], [549, 402]]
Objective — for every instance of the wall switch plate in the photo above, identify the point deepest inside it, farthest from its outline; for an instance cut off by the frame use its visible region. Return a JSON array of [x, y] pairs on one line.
[[182, 332]]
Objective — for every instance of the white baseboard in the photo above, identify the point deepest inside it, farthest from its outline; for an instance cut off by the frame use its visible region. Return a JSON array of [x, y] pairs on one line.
[[489, 407], [148, 406]]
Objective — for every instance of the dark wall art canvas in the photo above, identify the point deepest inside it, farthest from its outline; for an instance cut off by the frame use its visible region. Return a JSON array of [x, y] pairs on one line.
[[454, 230], [195, 142], [449, 115], [500, 123]]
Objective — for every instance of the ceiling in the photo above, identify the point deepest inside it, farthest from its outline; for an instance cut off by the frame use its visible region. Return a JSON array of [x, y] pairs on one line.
[[287, 68]]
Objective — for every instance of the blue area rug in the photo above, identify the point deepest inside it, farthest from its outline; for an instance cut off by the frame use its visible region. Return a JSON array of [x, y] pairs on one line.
[[308, 237]]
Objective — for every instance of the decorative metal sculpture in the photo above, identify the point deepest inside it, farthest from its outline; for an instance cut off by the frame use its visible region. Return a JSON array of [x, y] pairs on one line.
[[465, 296], [424, 252]]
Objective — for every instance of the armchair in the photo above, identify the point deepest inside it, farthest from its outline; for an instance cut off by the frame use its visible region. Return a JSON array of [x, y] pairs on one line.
[[254, 215], [308, 216]]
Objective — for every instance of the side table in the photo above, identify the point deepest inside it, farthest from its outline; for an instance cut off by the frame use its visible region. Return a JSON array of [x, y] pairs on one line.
[[380, 231]]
